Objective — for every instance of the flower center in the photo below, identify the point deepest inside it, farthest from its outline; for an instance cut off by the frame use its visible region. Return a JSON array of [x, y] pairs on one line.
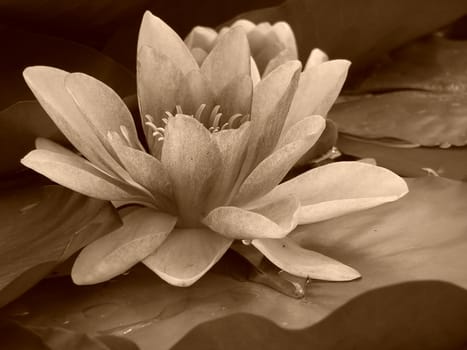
[[215, 121]]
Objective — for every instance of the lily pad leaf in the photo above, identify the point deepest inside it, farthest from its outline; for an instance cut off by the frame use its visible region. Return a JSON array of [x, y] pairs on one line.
[[42, 227], [422, 236], [433, 63], [415, 315], [16, 336], [421, 118], [411, 162]]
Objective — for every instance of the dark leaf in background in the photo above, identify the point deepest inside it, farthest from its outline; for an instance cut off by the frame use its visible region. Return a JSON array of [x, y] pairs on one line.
[[94, 23], [420, 237], [20, 124], [418, 117], [360, 30], [21, 49], [434, 63], [42, 227], [425, 315], [420, 97], [17, 337]]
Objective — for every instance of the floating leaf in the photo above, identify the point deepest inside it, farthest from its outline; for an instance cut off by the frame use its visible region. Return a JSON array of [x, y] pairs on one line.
[[415, 315], [42, 227], [421, 236], [15, 336], [423, 118], [434, 63], [411, 162]]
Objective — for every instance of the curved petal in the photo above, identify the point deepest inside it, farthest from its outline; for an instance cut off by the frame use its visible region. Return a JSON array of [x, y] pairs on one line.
[[76, 173], [52, 146], [236, 97], [194, 91], [271, 101], [48, 85], [232, 145], [282, 57], [155, 73], [272, 170], [192, 160], [229, 59], [201, 37], [158, 35], [199, 55], [101, 106], [270, 47], [143, 231], [186, 255], [340, 188], [317, 90], [254, 72], [147, 171], [246, 24], [286, 36], [312, 125], [273, 220], [257, 37], [289, 256], [323, 146], [315, 58]]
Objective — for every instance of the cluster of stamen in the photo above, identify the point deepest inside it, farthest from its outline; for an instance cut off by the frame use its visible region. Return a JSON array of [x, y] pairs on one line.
[[212, 122]]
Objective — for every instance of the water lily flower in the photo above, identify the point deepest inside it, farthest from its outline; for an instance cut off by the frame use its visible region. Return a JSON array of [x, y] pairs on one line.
[[208, 169], [271, 46]]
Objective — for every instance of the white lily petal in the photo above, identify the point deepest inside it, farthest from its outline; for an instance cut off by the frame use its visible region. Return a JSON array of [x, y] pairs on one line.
[[312, 125], [186, 255], [76, 173], [155, 73], [254, 72], [271, 101], [270, 172], [192, 160], [163, 39], [273, 220], [101, 106], [201, 37], [340, 188], [282, 57], [232, 145], [315, 58], [143, 231], [247, 25], [236, 97], [146, 171], [194, 91], [49, 145], [317, 90], [285, 34], [48, 85], [290, 257], [229, 59]]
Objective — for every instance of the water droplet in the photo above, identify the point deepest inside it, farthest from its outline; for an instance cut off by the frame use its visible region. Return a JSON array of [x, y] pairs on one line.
[[100, 310]]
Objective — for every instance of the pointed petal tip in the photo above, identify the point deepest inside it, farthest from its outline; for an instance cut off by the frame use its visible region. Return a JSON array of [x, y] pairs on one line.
[[33, 73]]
